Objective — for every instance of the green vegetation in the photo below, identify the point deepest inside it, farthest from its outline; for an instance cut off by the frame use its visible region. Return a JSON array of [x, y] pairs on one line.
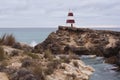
[[2, 56]]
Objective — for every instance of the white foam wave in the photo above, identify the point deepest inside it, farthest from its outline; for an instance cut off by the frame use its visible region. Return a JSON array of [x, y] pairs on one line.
[[33, 43]]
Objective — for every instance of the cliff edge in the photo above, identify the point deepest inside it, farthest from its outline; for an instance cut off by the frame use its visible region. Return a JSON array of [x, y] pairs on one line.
[[83, 41]]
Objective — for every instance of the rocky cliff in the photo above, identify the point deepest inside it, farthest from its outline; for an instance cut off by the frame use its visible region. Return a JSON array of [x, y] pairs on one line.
[[83, 41], [19, 62]]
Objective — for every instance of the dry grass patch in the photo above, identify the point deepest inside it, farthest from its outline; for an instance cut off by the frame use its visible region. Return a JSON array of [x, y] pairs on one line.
[[4, 63], [2, 55], [7, 39], [39, 72], [48, 55], [32, 55]]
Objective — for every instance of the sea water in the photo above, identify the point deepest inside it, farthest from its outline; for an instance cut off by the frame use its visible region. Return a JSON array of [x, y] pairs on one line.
[[103, 71], [33, 36], [30, 36]]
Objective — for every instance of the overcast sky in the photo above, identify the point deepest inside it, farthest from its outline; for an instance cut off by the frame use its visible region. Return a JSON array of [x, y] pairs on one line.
[[51, 13]]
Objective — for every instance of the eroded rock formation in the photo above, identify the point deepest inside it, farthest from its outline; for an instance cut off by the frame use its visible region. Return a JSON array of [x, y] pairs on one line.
[[83, 41]]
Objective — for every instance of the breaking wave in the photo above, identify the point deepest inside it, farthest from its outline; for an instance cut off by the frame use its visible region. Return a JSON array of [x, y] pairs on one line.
[[33, 43]]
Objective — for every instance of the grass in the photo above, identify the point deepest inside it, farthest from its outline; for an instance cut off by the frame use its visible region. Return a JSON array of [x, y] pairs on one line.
[[52, 66], [32, 55], [2, 39], [2, 56], [48, 55], [49, 70], [39, 72], [7, 39], [4, 63], [73, 55], [65, 59]]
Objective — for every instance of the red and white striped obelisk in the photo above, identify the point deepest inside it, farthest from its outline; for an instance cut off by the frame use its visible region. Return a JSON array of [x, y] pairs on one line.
[[70, 19]]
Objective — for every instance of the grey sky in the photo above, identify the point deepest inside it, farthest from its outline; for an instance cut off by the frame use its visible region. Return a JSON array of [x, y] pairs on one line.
[[51, 13]]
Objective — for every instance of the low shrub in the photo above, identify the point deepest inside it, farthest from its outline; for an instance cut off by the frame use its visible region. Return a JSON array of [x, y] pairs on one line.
[[38, 71], [52, 66], [73, 55], [65, 59], [22, 74], [2, 39], [26, 62], [32, 55], [2, 56], [75, 63], [49, 70], [17, 45], [14, 53], [48, 55], [42, 71], [4, 63], [8, 39], [71, 77]]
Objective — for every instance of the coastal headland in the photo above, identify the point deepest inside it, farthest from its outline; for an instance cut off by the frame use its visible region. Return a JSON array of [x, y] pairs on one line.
[[83, 41], [19, 61], [58, 57]]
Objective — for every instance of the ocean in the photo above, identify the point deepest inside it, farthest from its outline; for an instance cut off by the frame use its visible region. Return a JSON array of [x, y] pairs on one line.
[[33, 36]]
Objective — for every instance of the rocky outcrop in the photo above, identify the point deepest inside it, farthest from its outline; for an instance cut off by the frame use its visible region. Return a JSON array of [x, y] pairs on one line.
[[82, 41], [21, 65], [75, 70]]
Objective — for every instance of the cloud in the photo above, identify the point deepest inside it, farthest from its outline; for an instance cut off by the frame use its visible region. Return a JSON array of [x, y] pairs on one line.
[[47, 13]]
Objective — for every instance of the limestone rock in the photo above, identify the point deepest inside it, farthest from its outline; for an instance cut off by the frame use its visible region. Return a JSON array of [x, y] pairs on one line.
[[72, 72], [82, 41], [3, 76], [15, 65]]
